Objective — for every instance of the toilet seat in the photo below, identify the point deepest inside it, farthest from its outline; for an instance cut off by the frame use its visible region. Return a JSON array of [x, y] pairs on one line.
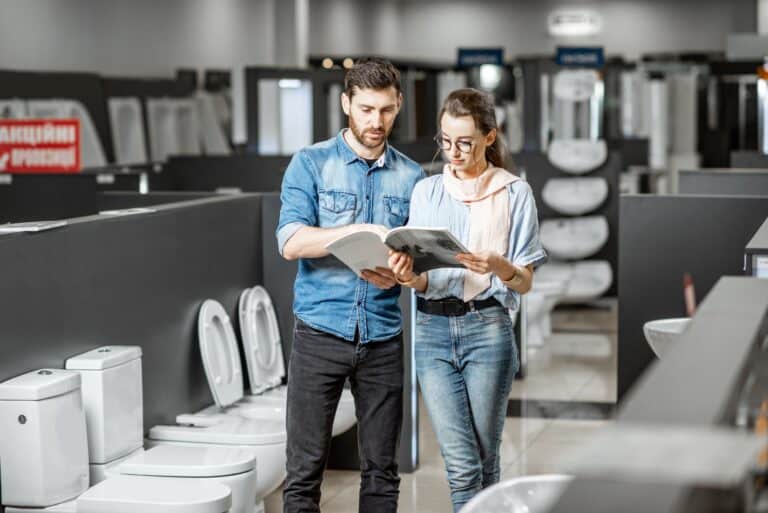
[[222, 429], [129, 494], [174, 461], [261, 340], [221, 358]]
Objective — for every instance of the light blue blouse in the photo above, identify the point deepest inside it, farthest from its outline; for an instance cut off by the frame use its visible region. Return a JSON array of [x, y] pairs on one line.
[[432, 206]]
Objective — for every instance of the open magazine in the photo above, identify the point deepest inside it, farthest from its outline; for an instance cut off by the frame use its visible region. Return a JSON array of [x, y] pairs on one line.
[[431, 248]]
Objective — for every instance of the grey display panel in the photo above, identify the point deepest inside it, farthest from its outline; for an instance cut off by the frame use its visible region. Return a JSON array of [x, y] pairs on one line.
[[132, 280], [741, 182]]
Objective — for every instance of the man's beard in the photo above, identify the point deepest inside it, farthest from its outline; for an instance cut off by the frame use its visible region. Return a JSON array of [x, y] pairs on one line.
[[360, 135]]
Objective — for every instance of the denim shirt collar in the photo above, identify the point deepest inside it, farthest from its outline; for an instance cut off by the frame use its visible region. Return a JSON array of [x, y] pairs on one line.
[[349, 156]]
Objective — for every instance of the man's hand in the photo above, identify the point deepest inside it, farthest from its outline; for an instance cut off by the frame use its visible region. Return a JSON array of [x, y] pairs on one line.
[[382, 277], [401, 264]]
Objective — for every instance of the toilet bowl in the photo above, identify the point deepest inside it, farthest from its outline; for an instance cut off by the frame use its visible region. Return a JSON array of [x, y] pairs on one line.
[[577, 156], [127, 123], [575, 196], [542, 299], [574, 238], [529, 494], [662, 333], [112, 395], [44, 458], [263, 349], [588, 280], [91, 150], [264, 360], [261, 431]]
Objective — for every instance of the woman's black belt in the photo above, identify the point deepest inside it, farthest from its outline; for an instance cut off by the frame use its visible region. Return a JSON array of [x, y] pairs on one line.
[[453, 306]]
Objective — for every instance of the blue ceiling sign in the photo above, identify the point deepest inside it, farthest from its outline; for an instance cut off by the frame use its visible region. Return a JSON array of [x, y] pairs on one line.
[[469, 57], [582, 57]]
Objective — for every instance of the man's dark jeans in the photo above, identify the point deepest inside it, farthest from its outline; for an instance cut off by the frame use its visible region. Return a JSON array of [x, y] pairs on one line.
[[320, 363]]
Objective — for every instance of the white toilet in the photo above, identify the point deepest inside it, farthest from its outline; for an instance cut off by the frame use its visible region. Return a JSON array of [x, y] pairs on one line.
[[262, 430], [44, 458], [111, 379], [264, 359], [542, 299]]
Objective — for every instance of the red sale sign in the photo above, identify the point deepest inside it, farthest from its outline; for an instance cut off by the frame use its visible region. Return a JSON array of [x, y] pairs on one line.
[[39, 145]]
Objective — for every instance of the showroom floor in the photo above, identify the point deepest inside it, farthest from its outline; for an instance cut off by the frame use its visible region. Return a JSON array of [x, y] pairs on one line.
[[569, 393]]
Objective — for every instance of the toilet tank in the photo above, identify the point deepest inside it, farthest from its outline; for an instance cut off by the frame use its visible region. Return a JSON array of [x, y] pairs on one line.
[[43, 446], [112, 396]]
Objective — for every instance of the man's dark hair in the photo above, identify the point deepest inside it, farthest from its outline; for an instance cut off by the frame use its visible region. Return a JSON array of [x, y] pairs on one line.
[[371, 73]]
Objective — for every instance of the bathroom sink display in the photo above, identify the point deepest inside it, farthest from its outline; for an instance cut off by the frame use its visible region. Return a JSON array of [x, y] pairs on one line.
[[573, 239], [577, 156], [575, 196], [530, 494], [575, 85], [661, 333], [588, 280]]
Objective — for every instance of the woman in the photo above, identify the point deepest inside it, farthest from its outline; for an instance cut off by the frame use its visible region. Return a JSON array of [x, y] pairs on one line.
[[465, 351]]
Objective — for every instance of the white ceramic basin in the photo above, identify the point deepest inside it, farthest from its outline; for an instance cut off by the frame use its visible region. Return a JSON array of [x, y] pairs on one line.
[[575, 196], [588, 280], [662, 332], [91, 150], [574, 238], [575, 85], [577, 156], [530, 494], [127, 122]]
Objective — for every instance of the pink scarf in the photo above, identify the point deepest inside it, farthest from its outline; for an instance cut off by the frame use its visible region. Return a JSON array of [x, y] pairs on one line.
[[489, 220]]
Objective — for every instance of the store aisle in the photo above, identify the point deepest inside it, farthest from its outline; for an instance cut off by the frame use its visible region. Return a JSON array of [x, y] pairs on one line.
[[568, 395]]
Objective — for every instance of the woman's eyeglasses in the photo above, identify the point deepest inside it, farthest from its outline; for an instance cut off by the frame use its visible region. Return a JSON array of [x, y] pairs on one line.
[[445, 144]]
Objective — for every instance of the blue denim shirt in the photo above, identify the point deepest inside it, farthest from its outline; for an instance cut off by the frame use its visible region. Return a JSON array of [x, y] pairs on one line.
[[432, 206], [329, 185]]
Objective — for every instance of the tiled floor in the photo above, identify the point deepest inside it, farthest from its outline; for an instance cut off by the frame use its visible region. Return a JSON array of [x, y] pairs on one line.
[[577, 364]]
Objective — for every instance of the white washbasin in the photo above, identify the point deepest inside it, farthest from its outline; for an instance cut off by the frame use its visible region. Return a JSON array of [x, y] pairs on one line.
[[574, 238], [575, 85], [127, 122], [587, 280], [575, 196], [662, 332], [577, 156], [530, 494]]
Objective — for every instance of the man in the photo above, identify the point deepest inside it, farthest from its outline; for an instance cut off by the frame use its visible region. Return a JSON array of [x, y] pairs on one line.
[[346, 326]]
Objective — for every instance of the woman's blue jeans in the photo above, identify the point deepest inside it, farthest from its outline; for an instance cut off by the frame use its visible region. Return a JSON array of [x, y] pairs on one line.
[[465, 365]]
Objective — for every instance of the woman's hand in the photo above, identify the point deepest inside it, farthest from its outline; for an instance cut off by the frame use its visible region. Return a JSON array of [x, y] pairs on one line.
[[487, 262], [402, 265]]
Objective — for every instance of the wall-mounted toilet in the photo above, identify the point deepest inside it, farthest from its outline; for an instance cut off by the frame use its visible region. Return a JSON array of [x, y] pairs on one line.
[[575, 196], [542, 299], [574, 238], [113, 402], [44, 458]]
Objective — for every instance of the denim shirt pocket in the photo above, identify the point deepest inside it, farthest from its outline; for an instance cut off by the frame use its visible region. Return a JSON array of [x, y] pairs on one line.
[[337, 208], [396, 210]]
